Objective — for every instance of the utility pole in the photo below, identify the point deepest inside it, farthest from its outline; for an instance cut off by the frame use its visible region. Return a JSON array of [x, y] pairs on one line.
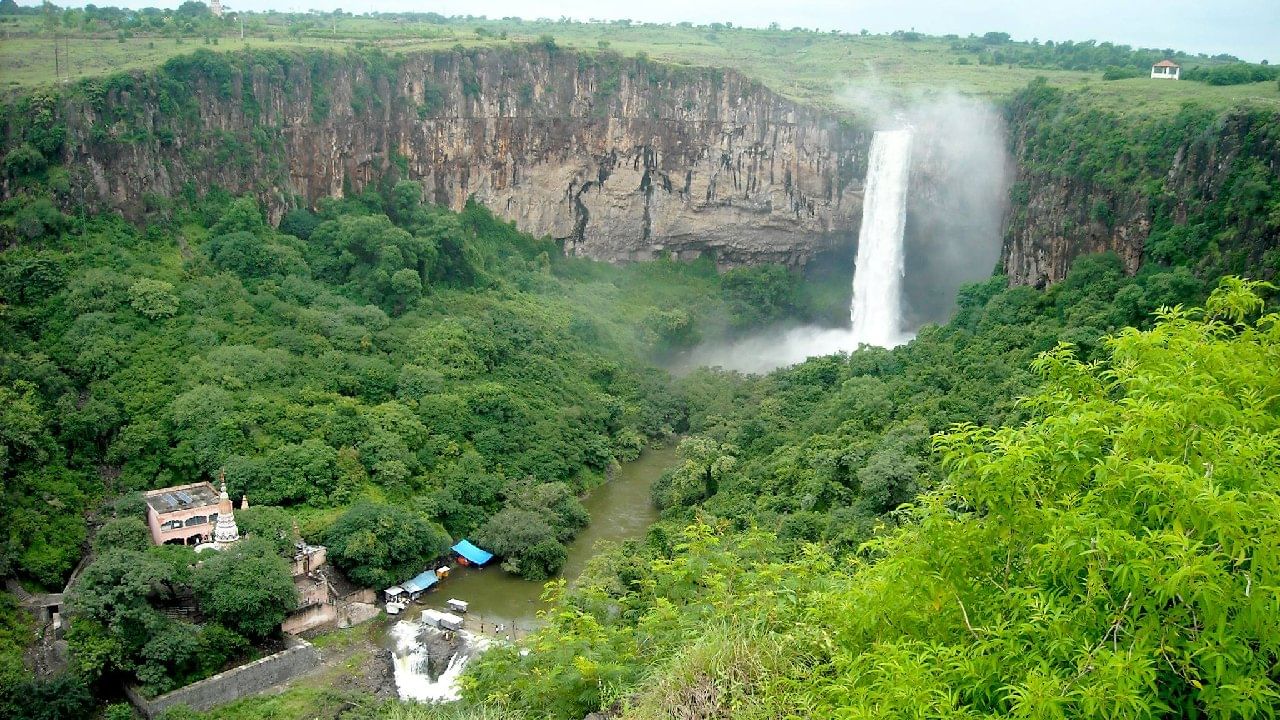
[[242, 28], [57, 68]]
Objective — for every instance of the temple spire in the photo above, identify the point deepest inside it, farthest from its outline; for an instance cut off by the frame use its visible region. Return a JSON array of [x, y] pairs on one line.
[[225, 531]]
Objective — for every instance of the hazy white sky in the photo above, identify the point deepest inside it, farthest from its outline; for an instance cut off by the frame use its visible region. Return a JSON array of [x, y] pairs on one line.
[[1247, 28]]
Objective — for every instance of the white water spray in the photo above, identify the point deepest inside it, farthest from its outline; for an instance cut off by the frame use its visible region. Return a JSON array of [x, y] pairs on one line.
[[877, 281], [410, 659], [876, 310]]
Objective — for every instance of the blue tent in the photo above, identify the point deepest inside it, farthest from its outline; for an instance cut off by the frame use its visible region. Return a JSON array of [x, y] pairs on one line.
[[423, 581], [473, 554]]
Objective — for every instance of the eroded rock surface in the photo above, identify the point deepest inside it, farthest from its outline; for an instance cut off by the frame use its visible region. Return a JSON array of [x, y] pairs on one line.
[[620, 158]]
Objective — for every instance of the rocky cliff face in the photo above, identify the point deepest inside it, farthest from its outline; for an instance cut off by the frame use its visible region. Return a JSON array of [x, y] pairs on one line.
[[1056, 219], [622, 159], [1191, 188]]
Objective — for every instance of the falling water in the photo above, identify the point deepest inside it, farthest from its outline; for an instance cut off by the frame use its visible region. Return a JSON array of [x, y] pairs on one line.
[[411, 663], [877, 280]]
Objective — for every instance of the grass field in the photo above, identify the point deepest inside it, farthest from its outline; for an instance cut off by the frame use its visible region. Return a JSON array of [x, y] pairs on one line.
[[816, 68], [1146, 96]]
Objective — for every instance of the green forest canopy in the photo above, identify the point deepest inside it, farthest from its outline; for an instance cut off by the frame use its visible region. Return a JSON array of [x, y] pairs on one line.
[[383, 369], [1115, 555]]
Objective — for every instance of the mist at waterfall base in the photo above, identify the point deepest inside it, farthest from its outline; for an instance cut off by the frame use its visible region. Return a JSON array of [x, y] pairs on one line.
[[958, 190]]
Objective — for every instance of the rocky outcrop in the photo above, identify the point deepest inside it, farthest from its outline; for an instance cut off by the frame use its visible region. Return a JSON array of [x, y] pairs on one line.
[[1187, 188], [1056, 219], [624, 159], [620, 158]]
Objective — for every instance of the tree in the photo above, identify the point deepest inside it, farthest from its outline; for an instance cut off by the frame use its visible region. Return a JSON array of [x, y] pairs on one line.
[[242, 215], [113, 610], [556, 503], [119, 585], [62, 696], [299, 222], [251, 255], [379, 545], [761, 294], [24, 160], [153, 298], [123, 533], [247, 587], [192, 10], [524, 540], [704, 463], [366, 252], [270, 524], [23, 433]]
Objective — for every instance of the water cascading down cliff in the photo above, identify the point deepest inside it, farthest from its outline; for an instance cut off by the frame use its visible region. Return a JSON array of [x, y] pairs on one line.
[[876, 310]]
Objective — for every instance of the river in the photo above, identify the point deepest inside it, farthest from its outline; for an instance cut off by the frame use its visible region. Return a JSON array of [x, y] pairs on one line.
[[620, 510]]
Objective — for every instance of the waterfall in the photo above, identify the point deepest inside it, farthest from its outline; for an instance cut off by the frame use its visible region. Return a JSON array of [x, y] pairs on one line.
[[877, 279], [412, 661]]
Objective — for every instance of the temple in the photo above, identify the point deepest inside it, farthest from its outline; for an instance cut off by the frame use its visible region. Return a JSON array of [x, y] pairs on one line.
[[194, 514]]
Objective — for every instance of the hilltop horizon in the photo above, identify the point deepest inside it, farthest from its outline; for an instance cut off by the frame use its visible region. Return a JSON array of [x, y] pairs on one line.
[[1242, 28]]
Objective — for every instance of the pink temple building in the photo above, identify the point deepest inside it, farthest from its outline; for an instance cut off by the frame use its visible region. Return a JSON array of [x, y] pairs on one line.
[[194, 514]]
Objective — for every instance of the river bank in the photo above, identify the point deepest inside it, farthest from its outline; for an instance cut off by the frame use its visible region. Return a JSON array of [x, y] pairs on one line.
[[504, 607]]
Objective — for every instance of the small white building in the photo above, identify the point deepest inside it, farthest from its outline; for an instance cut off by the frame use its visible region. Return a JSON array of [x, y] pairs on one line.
[[1166, 70]]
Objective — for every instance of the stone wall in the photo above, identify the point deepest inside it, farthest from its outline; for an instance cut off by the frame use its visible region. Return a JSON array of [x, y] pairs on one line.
[[310, 617], [235, 683]]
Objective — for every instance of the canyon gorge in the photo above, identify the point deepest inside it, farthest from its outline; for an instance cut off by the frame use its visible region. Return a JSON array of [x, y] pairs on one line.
[[624, 159]]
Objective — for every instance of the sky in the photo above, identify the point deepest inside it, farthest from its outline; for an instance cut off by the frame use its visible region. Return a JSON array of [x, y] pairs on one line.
[[1249, 29]]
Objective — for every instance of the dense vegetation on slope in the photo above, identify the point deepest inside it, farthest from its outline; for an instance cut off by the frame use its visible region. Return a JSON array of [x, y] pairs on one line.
[[382, 369], [378, 369], [141, 359], [1193, 187], [1112, 555]]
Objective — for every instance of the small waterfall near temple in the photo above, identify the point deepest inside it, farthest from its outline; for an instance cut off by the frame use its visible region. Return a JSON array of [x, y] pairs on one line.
[[428, 661], [876, 310]]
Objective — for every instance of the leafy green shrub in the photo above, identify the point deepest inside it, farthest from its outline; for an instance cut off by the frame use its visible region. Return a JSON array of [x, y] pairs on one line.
[[246, 587], [299, 222], [1083, 557], [525, 541], [24, 159], [761, 294], [380, 545], [153, 298], [1232, 74], [270, 524], [1121, 73], [126, 533]]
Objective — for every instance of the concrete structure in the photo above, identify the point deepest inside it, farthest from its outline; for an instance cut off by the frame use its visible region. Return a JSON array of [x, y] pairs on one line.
[[193, 514], [225, 531], [297, 658], [1166, 70], [310, 617], [184, 515], [319, 602], [308, 557]]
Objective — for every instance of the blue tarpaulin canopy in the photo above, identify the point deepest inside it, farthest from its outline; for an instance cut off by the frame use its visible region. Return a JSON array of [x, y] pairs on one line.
[[473, 554], [423, 581]]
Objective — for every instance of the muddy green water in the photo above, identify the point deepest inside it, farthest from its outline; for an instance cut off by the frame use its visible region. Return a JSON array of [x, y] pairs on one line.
[[620, 510]]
